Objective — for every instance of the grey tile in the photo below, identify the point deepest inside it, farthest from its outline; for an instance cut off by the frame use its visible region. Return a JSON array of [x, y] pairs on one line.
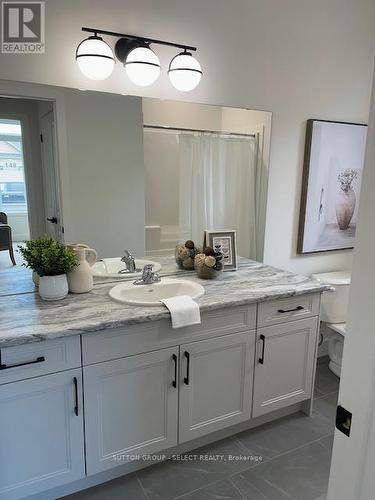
[[254, 487], [317, 392], [285, 434], [209, 464], [327, 442], [326, 406], [222, 490], [123, 487], [301, 474], [326, 381]]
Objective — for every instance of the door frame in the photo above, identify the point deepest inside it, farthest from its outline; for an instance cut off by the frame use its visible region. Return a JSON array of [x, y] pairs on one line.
[[352, 475], [33, 91], [57, 232]]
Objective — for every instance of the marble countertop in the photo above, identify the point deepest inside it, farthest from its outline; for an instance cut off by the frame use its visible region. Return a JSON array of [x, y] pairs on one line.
[[26, 318]]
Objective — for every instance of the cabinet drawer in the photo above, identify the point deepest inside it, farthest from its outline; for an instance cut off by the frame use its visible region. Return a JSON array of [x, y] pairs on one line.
[[39, 358], [136, 339], [289, 309]]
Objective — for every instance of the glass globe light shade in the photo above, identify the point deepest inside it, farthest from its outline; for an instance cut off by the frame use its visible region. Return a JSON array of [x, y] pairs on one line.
[[95, 58], [142, 66], [184, 72]]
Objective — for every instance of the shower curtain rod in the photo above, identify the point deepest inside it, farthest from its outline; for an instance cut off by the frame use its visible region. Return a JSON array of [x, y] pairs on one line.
[[179, 129]]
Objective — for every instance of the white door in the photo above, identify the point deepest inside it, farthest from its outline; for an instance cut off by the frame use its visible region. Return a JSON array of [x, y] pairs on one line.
[[131, 407], [50, 178], [352, 471], [284, 365], [41, 434], [216, 378]]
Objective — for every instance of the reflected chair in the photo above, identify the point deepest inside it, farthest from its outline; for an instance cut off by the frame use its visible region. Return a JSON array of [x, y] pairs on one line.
[[6, 236]]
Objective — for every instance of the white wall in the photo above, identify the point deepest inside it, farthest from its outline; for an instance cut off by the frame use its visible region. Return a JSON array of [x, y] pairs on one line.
[[296, 58], [105, 177], [161, 158]]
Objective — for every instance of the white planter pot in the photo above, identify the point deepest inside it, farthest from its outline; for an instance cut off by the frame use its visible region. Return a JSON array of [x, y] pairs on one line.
[[53, 287]]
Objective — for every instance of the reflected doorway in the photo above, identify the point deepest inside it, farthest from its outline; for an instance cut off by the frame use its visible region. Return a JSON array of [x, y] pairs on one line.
[[29, 190]]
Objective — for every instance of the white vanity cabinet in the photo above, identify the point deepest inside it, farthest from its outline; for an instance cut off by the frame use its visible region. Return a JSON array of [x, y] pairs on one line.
[[146, 402], [131, 408], [148, 388], [284, 365], [41, 434], [216, 381], [136, 404]]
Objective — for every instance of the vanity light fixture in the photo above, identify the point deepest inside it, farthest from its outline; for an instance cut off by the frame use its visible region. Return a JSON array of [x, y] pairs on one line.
[[96, 60], [184, 71], [142, 65]]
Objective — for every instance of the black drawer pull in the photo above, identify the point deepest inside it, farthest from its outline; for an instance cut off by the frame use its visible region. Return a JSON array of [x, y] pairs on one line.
[[263, 339], [75, 382], [187, 378], [37, 360], [298, 308], [174, 382]]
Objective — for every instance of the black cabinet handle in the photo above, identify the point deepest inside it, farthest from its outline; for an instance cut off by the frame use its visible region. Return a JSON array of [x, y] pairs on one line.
[[75, 383], [33, 362], [174, 383], [298, 308], [263, 339], [187, 378]]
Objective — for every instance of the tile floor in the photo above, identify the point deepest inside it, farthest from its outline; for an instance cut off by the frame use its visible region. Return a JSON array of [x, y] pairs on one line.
[[295, 451]]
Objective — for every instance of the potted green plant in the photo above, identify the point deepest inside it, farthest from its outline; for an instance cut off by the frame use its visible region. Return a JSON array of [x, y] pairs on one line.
[[51, 260]]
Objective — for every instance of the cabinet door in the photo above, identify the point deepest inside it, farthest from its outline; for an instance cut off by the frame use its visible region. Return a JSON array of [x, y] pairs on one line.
[[284, 365], [216, 378], [41, 434], [131, 407]]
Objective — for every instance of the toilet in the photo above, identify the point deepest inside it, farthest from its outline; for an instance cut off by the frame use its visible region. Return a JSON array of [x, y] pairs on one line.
[[334, 309]]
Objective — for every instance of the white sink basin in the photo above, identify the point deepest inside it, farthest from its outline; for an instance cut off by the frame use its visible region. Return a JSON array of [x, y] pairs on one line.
[[109, 268], [150, 295]]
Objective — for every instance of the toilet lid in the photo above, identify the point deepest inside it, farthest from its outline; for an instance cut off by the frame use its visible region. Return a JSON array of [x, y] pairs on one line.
[[334, 278]]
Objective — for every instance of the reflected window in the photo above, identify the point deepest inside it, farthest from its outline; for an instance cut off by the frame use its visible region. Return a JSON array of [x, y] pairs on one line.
[[12, 175]]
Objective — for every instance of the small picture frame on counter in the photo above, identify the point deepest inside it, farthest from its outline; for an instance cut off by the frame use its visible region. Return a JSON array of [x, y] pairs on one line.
[[224, 242]]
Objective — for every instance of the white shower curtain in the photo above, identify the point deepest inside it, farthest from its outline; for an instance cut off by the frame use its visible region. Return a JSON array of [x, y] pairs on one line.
[[218, 188]]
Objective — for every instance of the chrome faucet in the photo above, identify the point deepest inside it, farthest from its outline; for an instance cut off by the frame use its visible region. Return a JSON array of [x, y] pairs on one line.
[[148, 276], [129, 261]]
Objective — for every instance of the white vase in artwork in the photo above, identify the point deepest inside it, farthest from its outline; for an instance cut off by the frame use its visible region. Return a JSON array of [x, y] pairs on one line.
[[345, 206], [53, 287]]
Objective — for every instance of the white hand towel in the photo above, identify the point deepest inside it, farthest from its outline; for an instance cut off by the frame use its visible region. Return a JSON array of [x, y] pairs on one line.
[[184, 311]]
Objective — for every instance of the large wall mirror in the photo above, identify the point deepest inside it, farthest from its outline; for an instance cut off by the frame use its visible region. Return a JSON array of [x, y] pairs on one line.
[[122, 173]]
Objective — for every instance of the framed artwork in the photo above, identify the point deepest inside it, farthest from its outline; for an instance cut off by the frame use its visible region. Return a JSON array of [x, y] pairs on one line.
[[224, 242], [332, 174]]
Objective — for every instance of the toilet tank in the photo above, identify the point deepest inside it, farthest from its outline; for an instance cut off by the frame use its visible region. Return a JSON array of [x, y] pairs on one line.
[[334, 307]]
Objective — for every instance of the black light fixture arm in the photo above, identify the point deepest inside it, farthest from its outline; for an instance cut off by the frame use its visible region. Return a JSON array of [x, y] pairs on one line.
[[138, 38]]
